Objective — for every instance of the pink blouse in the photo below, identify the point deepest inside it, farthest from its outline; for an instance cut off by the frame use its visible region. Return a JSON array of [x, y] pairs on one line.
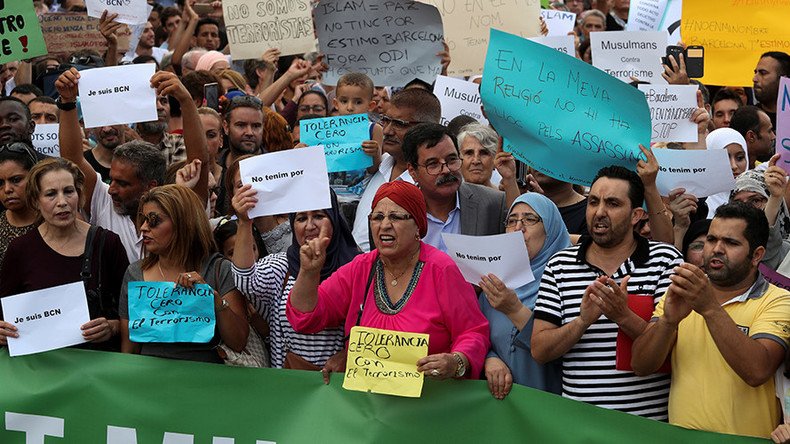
[[442, 305]]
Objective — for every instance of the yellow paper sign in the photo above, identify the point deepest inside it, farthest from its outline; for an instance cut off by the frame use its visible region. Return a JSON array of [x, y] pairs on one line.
[[385, 361], [468, 22], [735, 33]]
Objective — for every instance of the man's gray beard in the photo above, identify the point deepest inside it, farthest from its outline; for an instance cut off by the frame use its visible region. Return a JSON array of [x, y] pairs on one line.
[[153, 127]]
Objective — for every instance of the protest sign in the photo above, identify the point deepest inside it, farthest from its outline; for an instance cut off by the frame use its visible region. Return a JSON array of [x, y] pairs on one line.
[[701, 172], [20, 34], [385, 361], [288, 181], [558, 114], [626, 54], [562, 43], [655, 15], [558, 22], [467, 23], [504, 255], [341, 137], [735, 33], [671, 107], [166, 312], [783, 123], [136, 32], [45, 139], [458, 98], [46, 319], [65, 33], [392, 41], [117, 95], [255, 27], [130, 12]]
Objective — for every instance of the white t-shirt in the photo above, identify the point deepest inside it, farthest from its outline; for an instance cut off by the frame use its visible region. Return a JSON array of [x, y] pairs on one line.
[[103, 215], [156, 52]]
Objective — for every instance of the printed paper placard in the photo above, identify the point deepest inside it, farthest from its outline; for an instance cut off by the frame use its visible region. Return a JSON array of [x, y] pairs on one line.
[[117, 95]]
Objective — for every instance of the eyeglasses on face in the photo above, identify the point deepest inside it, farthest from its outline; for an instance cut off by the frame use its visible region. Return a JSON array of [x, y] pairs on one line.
[[379, 217], [528, 220], [434, 167], [397, 123]]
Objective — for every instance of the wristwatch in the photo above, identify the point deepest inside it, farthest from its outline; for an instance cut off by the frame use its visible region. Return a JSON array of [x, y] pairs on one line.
[[67, 106], [223, 305], [460, 369]]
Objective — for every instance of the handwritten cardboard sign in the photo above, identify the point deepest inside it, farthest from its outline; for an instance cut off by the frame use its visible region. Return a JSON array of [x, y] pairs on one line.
[[701, 172], [735, 34], [385, 361], [783, 123], [65, 33], [671, 107], [558, 114], [164, 312], [288, 181], [255, 27], [467, 23], [46, 319], [130, 12], [341, 137], [392, 41], [626, 54], [117, 95], [458, 98], [558, 22], [505, 255], [20, 34], [562, 43], [46, 140]]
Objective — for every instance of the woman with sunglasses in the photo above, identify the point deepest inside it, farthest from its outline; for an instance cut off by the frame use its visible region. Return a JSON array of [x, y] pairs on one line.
[[509, 311], [404, 284], [179, 247], [55, 253], [268, 281], [16, 160]]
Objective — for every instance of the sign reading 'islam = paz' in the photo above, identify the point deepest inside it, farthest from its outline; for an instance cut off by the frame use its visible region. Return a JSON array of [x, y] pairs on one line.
[[558, 114], [391, 41]]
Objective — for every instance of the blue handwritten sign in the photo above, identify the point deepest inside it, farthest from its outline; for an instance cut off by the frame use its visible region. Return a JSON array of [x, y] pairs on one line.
[[163, 312], [558, 114], [342, 138]]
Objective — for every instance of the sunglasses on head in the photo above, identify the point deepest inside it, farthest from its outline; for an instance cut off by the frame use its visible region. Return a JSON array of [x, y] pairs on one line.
[[20, 148]]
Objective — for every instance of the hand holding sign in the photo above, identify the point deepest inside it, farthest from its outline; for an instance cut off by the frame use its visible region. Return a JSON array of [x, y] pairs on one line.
[[168, 84], [98, 330], [7, 329], [775, 178], [648, 171], [313, 253], [682, 205], [500, 297], [440, 365], [68, 85], [243, 201], [109, 27]]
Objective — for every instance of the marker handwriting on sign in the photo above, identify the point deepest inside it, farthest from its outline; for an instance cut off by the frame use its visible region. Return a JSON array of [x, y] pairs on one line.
[[371, 354]]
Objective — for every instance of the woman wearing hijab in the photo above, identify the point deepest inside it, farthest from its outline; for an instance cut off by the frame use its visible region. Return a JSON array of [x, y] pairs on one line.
[[402, 285], [509, 311], [268, 281], [735, 144]]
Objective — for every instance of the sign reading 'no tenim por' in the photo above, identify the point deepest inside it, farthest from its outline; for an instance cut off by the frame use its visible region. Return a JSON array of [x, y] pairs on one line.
[[392, 41]]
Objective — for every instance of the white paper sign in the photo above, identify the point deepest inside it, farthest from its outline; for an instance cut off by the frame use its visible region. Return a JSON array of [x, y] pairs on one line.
[[458, 97], [136, 34], [626, 54], [558, 22], [46, 319], [117, 95], [701, 172], [45, 139], [504, 255], [130, 12], [562, 43], [288, 181], [254, 27], [655, 15], [671, 107]]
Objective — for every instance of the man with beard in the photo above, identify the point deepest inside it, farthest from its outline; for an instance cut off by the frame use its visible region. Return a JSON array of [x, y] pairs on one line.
[[726, 329], [453, 206], [146, 45], [136, 166], [108, 138], [156, 133], [582, 303], [756, 128], [771, 67], [407, 108]]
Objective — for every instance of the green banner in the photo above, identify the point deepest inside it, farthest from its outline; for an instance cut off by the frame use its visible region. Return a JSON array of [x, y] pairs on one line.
[[20, 33], [94, 397]]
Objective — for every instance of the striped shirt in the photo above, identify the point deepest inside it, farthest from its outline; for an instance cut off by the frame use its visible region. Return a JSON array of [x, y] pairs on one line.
[[588, 368], [263, 286]]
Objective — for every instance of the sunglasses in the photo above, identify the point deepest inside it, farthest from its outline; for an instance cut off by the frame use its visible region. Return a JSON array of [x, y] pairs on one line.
[[20, 148], [152, 219]]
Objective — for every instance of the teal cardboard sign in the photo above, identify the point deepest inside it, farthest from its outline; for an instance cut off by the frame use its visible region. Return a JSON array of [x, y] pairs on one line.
[[560, 115], [164, 312], [20, 33], [341, 137]]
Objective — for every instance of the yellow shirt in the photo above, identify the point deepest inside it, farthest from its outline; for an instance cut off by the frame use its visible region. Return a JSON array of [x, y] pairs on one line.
[[706, 393]]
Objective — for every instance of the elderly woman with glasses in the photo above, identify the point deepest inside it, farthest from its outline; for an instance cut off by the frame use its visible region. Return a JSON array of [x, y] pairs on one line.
[[403, 285]]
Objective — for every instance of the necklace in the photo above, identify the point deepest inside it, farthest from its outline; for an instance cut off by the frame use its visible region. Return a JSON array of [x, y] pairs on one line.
[[394, 280], [160, 270]]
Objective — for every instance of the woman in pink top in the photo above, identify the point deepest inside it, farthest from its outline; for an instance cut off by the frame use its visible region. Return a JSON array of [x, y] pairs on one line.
[[402, 285]]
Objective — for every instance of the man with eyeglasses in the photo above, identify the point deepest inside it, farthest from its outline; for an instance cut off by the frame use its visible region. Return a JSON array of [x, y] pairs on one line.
[[453, 206], [407, 108]]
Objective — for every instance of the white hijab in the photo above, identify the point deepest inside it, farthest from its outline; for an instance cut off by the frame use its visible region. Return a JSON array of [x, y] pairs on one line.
[[718, 140]]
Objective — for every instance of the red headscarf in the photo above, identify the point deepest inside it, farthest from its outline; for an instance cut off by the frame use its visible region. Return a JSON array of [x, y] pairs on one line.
[[407, 196]]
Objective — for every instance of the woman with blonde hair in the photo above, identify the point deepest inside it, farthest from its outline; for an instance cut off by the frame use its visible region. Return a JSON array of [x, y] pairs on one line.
[[231, 80], [179, 247]]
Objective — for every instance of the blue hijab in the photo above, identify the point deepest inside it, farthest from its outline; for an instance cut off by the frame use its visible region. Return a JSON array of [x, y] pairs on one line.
[[557, 238]]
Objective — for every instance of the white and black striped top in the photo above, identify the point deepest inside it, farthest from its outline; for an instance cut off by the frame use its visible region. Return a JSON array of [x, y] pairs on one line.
[[588, 368], [263, 286]]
